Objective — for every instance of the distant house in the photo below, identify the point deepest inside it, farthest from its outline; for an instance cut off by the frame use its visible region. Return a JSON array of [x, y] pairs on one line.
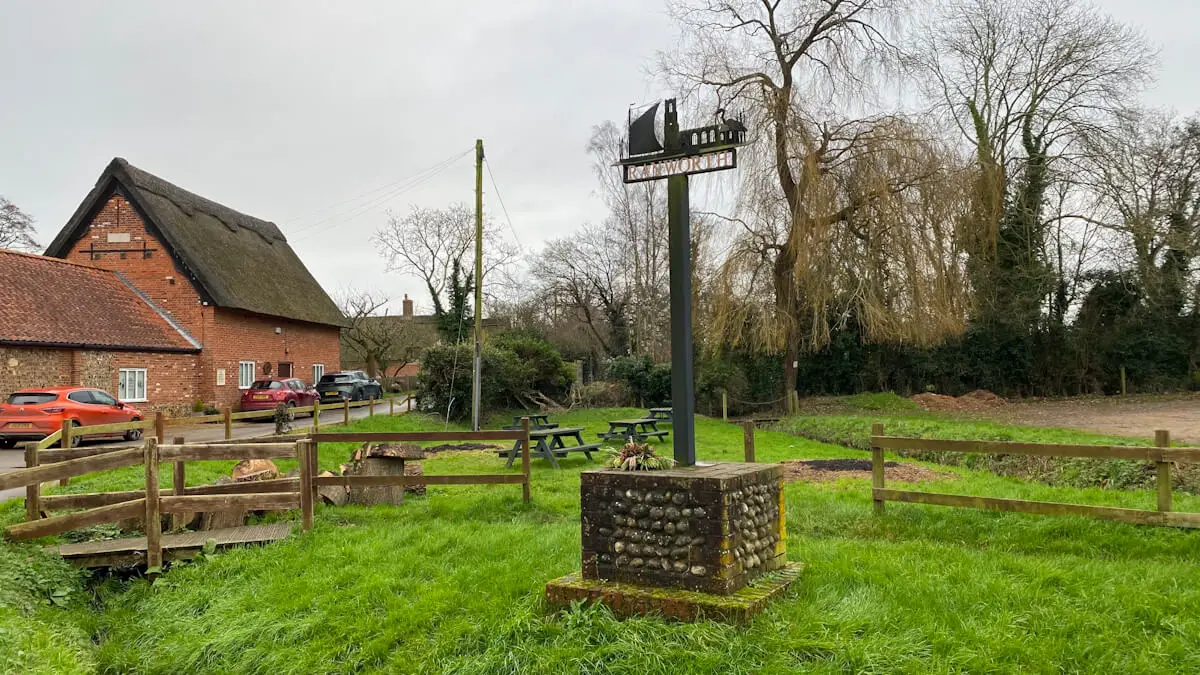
[[227, 282], [406, 334]]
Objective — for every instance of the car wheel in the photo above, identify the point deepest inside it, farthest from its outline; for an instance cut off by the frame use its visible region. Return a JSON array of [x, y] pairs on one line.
[[291, 411], [7, 443], [357, 395], [134, 434]]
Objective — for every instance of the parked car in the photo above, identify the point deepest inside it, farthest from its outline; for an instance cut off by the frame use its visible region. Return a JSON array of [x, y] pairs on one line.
[[348, 385], [34, 414], [267, 393]]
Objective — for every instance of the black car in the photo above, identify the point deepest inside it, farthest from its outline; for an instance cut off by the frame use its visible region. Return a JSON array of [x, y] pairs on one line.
[[352, 385]]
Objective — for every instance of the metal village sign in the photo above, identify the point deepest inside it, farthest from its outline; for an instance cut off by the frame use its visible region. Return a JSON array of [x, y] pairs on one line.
[[681, 153]]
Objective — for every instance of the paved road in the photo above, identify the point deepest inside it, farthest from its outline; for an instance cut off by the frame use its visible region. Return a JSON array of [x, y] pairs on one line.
[[15, 459]]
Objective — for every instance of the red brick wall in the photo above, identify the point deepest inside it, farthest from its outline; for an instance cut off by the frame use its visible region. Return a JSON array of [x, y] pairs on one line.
[[231, 336], [152, 276], [172, 380]]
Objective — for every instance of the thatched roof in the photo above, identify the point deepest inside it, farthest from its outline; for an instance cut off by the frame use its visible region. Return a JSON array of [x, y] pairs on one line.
[[236, 260]]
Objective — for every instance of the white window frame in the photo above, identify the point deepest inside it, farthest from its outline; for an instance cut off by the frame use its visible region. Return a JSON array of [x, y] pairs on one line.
[[318, 372], [132, 394], [243, 382]]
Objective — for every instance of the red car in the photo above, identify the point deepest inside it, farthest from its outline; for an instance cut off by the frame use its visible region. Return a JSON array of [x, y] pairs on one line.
[[34, 414], [266, 394]]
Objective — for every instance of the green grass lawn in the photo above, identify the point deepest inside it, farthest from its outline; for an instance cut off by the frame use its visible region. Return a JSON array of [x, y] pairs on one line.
[[453, 581]]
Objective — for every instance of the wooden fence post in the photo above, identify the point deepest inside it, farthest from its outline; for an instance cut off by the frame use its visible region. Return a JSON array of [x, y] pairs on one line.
[[304, 456], [1162, 439], [724, 406], [66, 442], [346, 412], [153, 524], [178, 483], [160, 427], [876, 466], [391, 406], [33, 493], [371, 408], [525, 459], [317, 415], [227, 414], [748, 439], [410, 400], [1122, 380]]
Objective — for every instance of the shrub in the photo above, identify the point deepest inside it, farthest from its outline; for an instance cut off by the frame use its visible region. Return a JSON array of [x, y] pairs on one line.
[[648, 383]]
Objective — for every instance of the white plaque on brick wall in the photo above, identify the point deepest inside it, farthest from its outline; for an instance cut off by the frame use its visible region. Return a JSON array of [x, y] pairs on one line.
[[118, 237], [220, 377]]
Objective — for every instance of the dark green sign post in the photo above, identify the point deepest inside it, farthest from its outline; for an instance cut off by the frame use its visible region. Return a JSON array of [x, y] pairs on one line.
[[682, 153]]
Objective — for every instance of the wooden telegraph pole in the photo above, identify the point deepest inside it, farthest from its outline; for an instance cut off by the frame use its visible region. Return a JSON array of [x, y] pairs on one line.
[[476, 376]]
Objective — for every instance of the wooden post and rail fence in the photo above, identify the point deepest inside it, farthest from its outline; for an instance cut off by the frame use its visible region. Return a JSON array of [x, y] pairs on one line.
[[151, 503], [1162, 455]]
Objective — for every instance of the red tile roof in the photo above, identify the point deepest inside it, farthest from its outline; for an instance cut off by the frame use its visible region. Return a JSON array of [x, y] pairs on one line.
[[52, 302]]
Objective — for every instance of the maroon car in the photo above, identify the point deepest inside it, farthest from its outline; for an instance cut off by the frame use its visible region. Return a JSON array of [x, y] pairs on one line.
[[266, 394]]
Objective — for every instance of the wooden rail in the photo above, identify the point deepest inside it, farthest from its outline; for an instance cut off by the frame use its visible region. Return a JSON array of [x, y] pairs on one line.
[[1162, 455]]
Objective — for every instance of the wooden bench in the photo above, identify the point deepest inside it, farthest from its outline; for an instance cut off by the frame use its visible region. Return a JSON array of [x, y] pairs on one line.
[[633, 430]]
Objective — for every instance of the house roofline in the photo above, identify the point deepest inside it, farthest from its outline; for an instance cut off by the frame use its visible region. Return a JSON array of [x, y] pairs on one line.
[[98, 347]]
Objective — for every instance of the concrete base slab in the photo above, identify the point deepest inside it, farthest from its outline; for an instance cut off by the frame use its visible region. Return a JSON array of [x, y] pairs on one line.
[[628, 600]]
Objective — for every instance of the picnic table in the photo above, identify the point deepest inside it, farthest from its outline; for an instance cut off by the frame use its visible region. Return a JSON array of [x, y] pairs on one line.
[[633, 430], [661, 414], [551, 443], [535, 422]]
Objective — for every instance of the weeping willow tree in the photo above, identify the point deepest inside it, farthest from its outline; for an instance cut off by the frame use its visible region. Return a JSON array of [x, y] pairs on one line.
[[840, 218]]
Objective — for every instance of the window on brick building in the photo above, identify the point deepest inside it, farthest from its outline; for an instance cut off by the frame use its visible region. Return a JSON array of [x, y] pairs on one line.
[[318, 372], [245, 374], [131, 384]]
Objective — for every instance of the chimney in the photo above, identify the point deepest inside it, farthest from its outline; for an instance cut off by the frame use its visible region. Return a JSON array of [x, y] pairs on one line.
[[408, 306]]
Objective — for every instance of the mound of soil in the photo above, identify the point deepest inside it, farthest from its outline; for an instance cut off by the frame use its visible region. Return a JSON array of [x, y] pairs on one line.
[[460, 446], [825, 470], [980, 399]]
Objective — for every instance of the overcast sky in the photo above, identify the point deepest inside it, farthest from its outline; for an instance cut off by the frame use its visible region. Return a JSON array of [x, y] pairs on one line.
[[285, 109]]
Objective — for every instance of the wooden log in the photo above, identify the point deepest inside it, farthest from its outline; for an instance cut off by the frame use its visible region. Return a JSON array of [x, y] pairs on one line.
[[227, 420], [1133, 516], [228, 451], [467, 479], [388, 491], [877, 474], [418, 436], [256, 501], [72, 521], [153, 523], [748, 440], [75, 467], [1162, 439], [33, 491], [179, 485], [525, 486], [304, 457]]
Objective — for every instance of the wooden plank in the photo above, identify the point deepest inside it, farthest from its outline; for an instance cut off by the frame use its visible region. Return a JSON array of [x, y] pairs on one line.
[[417, 436], [1162, 439], [194, 419], [89, 500], [50, 440], [74, 467], [153, 523], [1134, 516], [376, 481], [248, 534], [248, 487], [71, 521], [252, 414], [94, 429], [61, 455], [258, 501], [1005, 448], [228, 451], [33, 491]]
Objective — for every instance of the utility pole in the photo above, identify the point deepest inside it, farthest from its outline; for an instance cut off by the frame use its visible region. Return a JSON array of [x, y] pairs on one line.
[[476, 379]]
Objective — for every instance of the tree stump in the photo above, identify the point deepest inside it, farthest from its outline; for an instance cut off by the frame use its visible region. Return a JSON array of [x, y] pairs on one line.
[[220, 520], [333, 495], [381, 460]]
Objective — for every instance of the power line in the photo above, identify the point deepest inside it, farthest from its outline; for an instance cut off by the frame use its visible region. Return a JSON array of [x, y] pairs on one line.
[[503, 208], [395, 190]]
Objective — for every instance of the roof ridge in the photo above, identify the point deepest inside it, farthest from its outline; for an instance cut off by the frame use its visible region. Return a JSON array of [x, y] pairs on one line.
[[51, 259]]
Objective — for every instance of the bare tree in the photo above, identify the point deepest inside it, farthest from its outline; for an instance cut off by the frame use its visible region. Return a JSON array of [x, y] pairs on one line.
[[16, 228], [384, 343], [834, 209], [429, 243]]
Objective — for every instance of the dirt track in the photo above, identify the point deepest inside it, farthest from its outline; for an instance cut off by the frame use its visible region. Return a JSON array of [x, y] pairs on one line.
[[1129, 416]]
